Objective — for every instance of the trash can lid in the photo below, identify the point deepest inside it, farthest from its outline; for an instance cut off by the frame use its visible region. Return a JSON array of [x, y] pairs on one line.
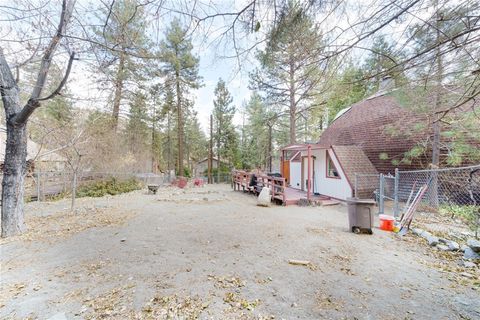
[[360, 201]]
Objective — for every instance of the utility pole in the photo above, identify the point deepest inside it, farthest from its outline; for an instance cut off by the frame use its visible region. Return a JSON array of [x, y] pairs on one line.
[[210, 151], [270, 125]]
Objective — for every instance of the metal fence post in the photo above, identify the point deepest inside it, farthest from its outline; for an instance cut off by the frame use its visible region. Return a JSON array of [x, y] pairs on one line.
[[395, 193], [381, 194]]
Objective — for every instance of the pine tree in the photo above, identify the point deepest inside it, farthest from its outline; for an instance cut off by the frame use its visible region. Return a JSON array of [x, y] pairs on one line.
[[290, 72], [126, 33], [224, 131], [181, 69]]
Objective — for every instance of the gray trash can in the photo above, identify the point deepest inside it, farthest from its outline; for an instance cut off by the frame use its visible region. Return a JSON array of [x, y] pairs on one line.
[[360, 215]]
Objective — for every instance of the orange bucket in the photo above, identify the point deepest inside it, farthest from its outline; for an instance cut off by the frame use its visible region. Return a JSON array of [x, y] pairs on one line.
[[386, 222]]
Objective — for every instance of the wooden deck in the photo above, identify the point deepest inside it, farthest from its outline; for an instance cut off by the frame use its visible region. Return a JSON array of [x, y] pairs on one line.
[[280, 192], [293, 196]]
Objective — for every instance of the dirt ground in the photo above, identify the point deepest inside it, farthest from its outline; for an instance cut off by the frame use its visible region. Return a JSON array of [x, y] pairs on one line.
[[211, 253]]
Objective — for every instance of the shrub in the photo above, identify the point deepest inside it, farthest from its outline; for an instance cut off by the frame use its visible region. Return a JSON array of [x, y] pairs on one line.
[[110, 186]]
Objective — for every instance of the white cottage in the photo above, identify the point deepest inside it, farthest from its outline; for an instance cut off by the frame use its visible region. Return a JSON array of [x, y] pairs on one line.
[[332, 168]]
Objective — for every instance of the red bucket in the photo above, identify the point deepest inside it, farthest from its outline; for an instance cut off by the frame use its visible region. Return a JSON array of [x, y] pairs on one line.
[[182, 182], [386, 222]]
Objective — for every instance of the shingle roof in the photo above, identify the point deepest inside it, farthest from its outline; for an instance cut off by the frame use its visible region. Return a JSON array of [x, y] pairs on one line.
[[353, 161], [366, 124]]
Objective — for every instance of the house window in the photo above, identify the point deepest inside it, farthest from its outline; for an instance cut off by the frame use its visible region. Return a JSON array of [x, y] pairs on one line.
[[332, 171]]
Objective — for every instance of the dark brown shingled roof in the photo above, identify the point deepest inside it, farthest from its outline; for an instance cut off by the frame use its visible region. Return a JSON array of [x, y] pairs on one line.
[[353, 160], [366, 125]]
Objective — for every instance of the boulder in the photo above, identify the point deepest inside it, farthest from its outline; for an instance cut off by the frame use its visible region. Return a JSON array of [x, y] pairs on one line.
[[474, 245], [432, 240], [417, 231], [453, 246], [443, 247], [425, 234], [469, 264], [264, 197], [469, 254]]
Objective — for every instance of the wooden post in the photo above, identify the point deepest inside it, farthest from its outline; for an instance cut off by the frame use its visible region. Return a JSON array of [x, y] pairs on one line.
[[282, 157], [210, 152], [270, 147], [309, 171]]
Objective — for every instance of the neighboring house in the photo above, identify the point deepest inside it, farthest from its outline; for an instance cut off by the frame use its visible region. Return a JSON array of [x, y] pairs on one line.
[[38, 158], [202, 166]]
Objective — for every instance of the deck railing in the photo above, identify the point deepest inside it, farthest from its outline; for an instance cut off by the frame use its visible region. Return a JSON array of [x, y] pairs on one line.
[[241, 181]]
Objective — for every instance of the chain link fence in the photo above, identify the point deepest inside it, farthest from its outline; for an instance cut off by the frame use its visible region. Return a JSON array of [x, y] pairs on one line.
[[451, 186], [455, 191]]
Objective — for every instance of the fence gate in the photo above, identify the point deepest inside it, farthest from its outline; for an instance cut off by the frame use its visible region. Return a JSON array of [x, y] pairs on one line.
[[380, 187]]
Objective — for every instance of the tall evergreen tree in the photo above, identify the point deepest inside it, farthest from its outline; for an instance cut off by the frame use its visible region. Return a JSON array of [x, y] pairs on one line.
[[181, 69], [125, 31], [137, 129], [224, 130], [290, 72]]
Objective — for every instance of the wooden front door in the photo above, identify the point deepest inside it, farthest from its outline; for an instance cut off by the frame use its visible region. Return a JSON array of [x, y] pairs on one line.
[[286, 170]]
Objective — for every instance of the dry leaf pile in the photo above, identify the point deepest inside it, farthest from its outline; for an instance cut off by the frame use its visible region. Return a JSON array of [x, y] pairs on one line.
[[62, 225], [172, 307], [226, 282]]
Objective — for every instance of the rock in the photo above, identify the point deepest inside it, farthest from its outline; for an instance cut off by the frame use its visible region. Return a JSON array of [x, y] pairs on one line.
[[417, 231], [466, 233], [442, 240], [453, 246], [264, 197], [443, 247], [466, 275], [432, 240], [469, 254], [464, 247], [474, 245], [469, 264], [425, 234]]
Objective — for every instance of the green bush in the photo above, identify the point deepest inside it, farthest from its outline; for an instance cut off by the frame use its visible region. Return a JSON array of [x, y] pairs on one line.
[[110, 186], [186, 172]]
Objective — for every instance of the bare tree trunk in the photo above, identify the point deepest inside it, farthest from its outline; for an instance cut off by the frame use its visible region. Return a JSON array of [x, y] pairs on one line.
[[13, 181], [17, 117], [15, 156], [74, 190], [180, 125], [219, 124], [118, 90]]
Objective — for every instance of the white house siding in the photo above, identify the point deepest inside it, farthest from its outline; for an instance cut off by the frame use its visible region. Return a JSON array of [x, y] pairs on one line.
[[295, 174], [332, 187]]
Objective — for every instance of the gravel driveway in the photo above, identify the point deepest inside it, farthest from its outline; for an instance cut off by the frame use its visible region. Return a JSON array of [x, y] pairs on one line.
[[211, 253]]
